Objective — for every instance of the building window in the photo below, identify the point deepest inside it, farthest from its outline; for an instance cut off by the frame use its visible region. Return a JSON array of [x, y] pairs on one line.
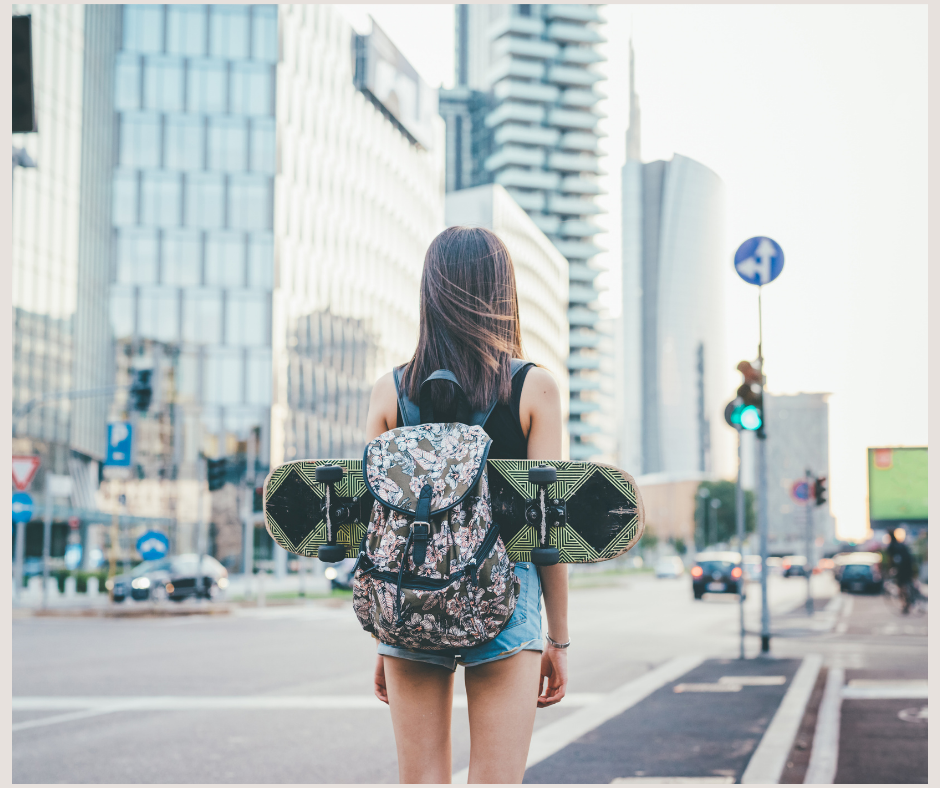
[[122, 311], [143, 28], [158, 313], [207, 87], [229, 31], [252, 89], [182, 258], [140, 139], [259, 377], [251, 204], [205, 201], [187, 377], [163, 84], [202, 316], [127, 82], [225, 259], [228, 144], [183, 140], [137, 256], [160, 195], [263, 146], [223, 383], [186, 30], [124, 197], [261, 262], [246, 319], [264, 33]]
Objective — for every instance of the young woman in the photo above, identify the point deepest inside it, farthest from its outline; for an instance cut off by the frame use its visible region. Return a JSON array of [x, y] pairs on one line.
[[470, 325]]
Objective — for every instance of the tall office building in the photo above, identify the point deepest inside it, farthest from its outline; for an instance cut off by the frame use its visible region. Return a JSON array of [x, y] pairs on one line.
[[672, 340], [359, 197], [797, 441], [60, 253], [536, 63]]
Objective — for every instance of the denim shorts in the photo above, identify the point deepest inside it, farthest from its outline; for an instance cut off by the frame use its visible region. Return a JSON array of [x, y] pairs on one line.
[[522, 633]]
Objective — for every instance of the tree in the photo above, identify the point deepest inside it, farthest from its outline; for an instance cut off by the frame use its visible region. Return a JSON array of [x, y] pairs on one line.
[[726, 526]]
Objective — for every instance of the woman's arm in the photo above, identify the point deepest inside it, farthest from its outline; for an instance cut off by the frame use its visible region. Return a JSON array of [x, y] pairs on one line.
[[540, 408]]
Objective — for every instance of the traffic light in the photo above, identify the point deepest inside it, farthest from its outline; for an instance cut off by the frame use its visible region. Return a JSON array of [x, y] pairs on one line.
[[141, 389], [24, 110], [819, 489], [215, 471], [746, 410], [258, 501]]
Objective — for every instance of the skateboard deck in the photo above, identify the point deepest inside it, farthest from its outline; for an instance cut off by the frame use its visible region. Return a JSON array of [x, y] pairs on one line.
[[605, 515]]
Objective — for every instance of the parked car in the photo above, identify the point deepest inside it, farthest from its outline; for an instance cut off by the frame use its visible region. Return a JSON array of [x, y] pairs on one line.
[[795, 566], [170, 578], [669, 566], [859, 572], [717, 573]]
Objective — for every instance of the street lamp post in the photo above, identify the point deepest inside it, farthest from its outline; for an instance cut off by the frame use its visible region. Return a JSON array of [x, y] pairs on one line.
[[715, 505], [703, 494]]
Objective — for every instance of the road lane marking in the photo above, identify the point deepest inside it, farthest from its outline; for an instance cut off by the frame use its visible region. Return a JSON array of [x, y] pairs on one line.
[[885, 689], [770, 757], [754, 681], [702, 687], [559, 734], [82, 707], [824, 758]]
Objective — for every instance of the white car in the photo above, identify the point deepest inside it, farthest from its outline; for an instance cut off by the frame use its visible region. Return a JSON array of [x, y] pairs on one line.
[[670, 566]]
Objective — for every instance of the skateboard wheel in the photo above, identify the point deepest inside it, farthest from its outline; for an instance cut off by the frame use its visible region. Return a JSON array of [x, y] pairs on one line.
[[542, 475], [543, 556], [327, 474], [331, 553]]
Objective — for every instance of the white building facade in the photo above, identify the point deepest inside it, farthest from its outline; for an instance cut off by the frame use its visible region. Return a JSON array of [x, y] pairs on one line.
[[538, 63], [541, 274], [357, 202]]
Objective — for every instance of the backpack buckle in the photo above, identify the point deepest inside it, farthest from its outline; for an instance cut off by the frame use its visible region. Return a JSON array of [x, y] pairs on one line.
[[420, 533], [421, 529]]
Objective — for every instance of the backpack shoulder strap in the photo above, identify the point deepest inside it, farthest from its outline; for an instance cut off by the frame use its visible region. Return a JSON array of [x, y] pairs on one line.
[[411, 413]]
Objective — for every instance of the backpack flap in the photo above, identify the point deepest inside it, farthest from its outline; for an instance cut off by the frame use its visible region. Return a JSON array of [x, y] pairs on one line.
[[448, 458]]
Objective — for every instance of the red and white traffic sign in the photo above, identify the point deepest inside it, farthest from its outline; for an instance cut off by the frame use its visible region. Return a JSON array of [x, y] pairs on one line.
[[24, 469]]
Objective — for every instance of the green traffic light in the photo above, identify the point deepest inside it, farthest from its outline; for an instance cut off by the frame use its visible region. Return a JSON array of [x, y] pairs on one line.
[[749, 418]]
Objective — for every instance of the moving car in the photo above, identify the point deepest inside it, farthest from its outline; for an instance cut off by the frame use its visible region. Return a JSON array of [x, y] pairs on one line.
[[669, 566], [717, 573], [795, 566], [170, 578], [859, 572]]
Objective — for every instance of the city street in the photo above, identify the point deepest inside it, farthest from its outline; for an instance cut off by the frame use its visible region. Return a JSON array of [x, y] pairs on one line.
[[283, 693]]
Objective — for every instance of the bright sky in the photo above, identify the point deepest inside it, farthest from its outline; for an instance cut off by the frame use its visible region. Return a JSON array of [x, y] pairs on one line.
[[815, 117]]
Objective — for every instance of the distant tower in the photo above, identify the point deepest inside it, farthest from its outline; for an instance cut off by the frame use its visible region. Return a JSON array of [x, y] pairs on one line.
[[633, 133]]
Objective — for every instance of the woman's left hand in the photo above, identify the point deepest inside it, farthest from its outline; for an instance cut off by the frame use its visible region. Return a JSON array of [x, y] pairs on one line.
[[554, 676]]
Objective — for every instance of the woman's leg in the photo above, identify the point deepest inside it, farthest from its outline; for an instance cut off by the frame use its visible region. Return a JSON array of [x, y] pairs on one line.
[[502, 697], [420, 696]]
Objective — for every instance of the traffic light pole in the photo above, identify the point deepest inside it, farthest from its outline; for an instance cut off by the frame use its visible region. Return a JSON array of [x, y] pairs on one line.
[[762, 514], [810, 538]]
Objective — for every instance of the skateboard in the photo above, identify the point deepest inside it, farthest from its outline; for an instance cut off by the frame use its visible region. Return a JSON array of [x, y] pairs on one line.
[[547, 511]]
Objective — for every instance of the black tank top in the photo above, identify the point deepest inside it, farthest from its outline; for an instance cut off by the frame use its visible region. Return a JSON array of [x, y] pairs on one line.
[[504, 425]]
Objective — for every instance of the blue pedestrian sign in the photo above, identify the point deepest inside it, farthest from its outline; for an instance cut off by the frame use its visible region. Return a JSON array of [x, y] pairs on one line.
[[759, 260], [153, 545], [120, 434], [800, 491], [22, 507]]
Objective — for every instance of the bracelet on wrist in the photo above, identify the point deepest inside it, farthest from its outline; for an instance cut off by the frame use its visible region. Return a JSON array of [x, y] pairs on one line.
[[555, 643]]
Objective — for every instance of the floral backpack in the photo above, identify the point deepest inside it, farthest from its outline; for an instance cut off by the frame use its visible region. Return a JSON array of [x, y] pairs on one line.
[[433, 573]]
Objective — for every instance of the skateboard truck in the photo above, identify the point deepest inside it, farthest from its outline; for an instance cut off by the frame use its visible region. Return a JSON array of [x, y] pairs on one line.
[[544, 513], [335, 512]]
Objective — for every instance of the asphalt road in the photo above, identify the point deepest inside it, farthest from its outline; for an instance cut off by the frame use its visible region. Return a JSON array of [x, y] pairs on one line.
[[207, 699]]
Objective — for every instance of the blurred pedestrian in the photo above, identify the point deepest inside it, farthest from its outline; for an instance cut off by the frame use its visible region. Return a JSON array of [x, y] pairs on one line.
[[469, 324], [902, 567]]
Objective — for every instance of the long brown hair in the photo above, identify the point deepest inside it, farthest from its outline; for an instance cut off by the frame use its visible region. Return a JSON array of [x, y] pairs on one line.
[[469, 319]]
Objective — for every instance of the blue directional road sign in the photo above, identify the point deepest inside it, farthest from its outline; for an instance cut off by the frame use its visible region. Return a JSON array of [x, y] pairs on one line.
[[800, 491], [120, 434], [152, 546], [22, 507], [759, 260]]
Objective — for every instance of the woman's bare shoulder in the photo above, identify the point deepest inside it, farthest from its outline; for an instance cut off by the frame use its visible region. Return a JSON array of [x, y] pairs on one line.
[[383, 406], [539, 386]]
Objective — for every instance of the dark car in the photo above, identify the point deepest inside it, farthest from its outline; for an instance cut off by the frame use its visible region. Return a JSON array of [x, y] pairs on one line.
[[171, 578], [795, 566], [859, 573], [717, 573]]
